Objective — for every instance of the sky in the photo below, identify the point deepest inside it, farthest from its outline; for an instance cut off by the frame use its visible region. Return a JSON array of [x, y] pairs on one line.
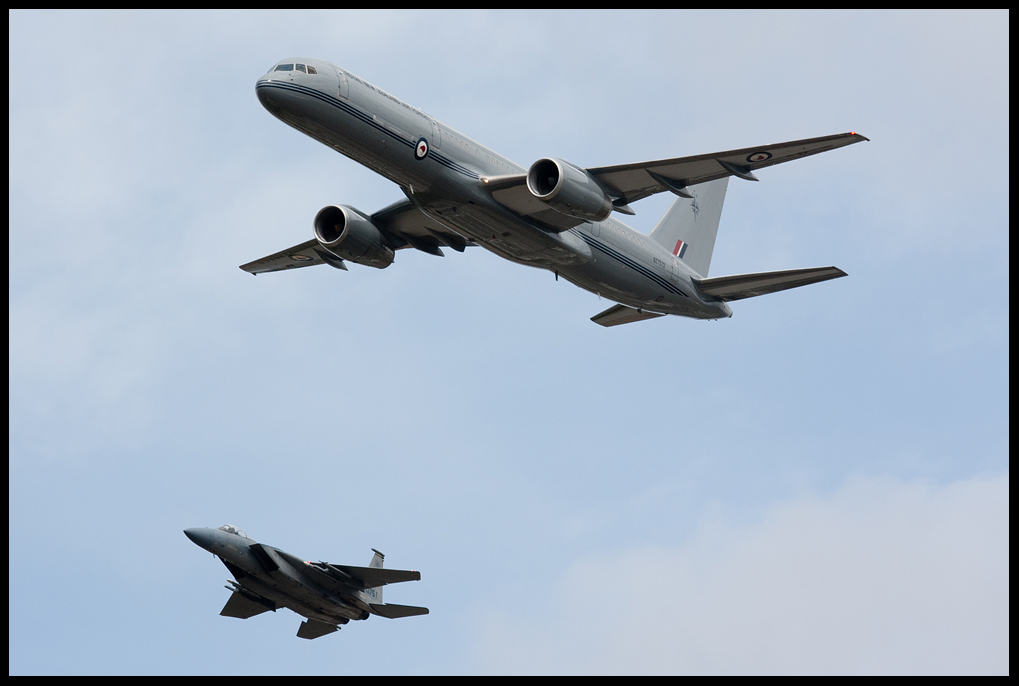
[[819, 484]]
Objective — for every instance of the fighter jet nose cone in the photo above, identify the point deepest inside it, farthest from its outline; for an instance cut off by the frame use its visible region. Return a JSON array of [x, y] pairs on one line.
[[195, 535]]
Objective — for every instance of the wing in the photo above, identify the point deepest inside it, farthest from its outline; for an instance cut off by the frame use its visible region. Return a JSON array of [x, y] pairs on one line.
[[626, 183], [511, 191], [306, 254], [635, 181], [360, 577], [402, 223], [246, 604], [412, 228]]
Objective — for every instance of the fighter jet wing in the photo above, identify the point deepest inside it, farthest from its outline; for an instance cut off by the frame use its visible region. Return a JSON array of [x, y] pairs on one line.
[[375, 576], [627, 183], [243, 605], [360, 577]]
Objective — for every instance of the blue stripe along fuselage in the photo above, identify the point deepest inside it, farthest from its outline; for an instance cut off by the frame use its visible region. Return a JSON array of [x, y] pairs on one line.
[[631, 263], [368, 119]]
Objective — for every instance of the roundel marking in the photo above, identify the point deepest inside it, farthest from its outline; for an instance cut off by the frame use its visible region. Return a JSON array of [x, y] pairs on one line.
[[759, 157], [421, 149], [300, 258]]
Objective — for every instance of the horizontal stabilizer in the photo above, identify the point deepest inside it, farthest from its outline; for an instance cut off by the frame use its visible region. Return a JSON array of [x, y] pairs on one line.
[[621, 314], [742, 286], [243, 606], [397, 611], [313, 629]]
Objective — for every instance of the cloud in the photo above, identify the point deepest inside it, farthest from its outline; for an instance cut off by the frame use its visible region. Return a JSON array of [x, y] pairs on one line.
[[883, 576]]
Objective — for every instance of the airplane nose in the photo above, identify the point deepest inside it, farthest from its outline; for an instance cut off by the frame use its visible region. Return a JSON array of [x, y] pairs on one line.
[[272, 99], [199, 537]]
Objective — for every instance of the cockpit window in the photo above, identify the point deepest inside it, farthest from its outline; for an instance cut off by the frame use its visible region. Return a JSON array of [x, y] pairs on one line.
[[312, 70], [234, 530], [284, 67], [300, 67]]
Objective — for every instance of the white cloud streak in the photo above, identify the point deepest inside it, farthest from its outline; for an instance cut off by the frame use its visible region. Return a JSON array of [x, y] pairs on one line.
[[883, 576]]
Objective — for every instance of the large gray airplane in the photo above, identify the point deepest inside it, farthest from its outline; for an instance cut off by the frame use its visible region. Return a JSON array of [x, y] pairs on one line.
[[328, 595], [554, 215]]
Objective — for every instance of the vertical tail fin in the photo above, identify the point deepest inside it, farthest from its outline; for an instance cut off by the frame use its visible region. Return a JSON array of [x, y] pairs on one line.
[[689, 227], [376, 563]]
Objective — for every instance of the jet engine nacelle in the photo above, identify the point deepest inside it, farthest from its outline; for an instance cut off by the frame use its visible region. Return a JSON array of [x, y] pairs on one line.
[[568, 189], [348, 234]]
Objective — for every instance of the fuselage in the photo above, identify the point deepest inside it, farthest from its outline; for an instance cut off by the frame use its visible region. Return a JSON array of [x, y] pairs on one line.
[[444, 172], [276, 575]]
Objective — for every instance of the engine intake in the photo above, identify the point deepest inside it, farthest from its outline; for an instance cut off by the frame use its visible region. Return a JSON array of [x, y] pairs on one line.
[[568, 189], [348, 234]]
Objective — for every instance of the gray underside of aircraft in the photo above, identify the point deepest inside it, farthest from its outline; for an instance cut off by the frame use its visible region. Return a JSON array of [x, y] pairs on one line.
[[553, 215], [327, 595]]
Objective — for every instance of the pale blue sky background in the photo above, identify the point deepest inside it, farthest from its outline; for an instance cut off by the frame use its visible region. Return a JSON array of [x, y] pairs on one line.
[[820, 484]]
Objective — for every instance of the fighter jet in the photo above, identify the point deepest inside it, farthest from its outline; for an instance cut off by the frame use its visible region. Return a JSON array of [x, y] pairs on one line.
[[327, 595], [553, 215]]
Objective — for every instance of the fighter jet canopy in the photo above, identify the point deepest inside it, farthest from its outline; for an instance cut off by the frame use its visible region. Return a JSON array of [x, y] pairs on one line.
[[233, 530]]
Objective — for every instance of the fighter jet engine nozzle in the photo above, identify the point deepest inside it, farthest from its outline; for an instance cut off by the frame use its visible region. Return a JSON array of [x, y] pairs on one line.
[[348, 234], [568, 189]]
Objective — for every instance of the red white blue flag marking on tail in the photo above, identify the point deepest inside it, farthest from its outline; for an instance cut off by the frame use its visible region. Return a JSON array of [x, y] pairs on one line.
[[680, 248]]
